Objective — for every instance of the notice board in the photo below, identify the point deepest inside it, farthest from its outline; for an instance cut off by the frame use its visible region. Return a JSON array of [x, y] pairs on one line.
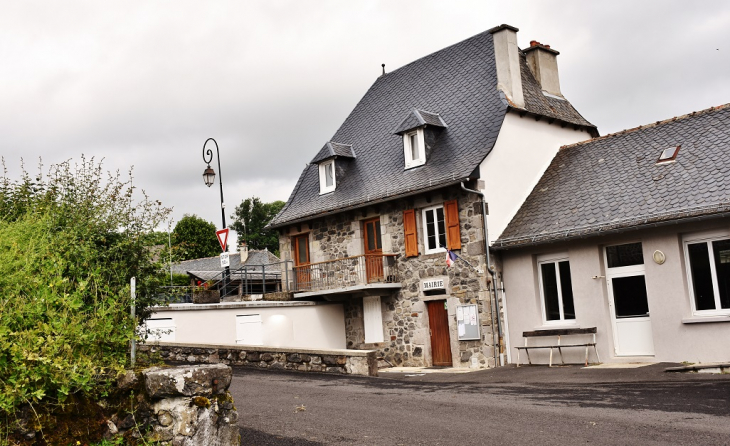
[[467, 322]]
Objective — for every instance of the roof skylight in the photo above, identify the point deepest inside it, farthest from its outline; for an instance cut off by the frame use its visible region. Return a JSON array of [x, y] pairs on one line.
[[669, 154]]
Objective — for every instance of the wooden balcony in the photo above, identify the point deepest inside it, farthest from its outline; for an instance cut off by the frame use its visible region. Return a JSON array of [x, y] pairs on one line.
[[350, 275]]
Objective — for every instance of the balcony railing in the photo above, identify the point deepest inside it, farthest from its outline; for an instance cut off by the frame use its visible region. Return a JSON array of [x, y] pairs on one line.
[[346, 272]]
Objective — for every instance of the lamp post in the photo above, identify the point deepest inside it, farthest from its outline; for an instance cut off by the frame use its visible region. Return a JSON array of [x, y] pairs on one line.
[[209, 178]]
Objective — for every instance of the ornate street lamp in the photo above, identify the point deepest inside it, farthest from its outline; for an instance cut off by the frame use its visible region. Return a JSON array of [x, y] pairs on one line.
[[209, 175], [209, 178]]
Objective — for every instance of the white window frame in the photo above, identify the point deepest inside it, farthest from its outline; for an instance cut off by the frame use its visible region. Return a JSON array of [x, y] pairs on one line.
[[323, 188], [704, 237], [421, 159], [425, 229], [554, 259]]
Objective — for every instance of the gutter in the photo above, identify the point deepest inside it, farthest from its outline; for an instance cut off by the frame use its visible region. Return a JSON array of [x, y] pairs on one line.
[[536, 240], [499, 346]]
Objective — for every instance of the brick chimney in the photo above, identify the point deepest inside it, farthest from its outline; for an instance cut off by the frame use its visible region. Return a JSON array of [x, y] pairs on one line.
[[543, 63], [507, 58]]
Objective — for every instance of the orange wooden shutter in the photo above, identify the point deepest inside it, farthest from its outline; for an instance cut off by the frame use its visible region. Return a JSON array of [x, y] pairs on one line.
[[453, 233], [409, 227]]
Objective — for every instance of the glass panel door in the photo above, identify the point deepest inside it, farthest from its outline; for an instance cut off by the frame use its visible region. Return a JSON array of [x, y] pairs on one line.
[[628, 300]]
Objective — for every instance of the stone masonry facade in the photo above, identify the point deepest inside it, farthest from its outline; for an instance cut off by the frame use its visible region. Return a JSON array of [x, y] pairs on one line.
[[405, 317]]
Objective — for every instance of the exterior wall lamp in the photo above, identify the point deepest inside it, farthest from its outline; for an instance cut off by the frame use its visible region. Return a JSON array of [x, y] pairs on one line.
[[209, 175]]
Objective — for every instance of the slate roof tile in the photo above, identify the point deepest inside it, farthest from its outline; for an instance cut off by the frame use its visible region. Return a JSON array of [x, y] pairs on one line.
[[580, 195]]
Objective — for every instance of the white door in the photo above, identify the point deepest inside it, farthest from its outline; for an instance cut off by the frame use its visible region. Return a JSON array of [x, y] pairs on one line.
[[372, 319], [160, 329], [628, 301], [249, 330]]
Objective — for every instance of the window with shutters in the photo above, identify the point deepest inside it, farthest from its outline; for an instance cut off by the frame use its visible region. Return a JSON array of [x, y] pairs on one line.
[[441, 228], [434, 230]]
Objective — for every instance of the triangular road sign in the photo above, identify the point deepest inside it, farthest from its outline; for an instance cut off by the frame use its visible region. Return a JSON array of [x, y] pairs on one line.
[[222, 238]]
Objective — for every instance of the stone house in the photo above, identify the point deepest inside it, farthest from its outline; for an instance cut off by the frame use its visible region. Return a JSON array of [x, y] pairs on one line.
[[406, 177], [629, 234]]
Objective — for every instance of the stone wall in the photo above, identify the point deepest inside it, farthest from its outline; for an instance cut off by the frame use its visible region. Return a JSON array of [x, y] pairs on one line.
[[344, 362], [180, 406], [405, 319], [190, 405]]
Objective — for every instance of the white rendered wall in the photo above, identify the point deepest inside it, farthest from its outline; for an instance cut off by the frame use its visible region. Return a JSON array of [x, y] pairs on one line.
[[303, 326], [675, 339], [523, 151]]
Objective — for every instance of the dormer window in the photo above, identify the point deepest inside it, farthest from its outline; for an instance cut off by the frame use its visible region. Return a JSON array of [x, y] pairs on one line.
[[414, 148], [327, 181], [411, 129]]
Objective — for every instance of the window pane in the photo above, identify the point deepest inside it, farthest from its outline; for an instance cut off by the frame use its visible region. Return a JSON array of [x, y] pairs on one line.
[[699, 263], [550, 291], [721, 249], [441, 227], [566, 289], [371, 236], [430, 230], [302, 250], [629, 296], [414, 145], [328, 174], [379, 241], [624, 255]]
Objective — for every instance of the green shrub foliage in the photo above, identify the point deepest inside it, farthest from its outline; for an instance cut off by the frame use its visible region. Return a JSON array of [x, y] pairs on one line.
[[69, 243]]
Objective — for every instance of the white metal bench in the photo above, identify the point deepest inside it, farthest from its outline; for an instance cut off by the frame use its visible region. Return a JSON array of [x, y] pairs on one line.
[[559, 333]]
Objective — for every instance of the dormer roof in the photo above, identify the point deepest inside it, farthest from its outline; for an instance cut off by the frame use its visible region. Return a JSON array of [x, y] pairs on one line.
[[419, 118], [333, 150]]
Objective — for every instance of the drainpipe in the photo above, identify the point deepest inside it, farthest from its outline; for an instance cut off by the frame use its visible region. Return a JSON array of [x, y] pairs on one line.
[[495, 305]]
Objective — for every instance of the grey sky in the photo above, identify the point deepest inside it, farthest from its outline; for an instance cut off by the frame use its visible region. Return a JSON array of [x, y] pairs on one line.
[[145, 83]]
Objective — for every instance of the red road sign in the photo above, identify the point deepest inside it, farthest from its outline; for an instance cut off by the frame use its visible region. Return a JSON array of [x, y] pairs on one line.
[[222, 238]]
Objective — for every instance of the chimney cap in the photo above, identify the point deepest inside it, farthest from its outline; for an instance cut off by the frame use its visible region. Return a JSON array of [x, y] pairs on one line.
[[535, 45], [503, 26]]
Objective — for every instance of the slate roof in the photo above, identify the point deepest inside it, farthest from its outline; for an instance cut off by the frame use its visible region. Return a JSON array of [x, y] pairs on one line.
[[460, 84], [613, 183], [332, 150], [210, 267], [419, 118]]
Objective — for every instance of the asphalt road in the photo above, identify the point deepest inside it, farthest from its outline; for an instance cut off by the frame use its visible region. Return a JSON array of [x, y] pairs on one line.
[[529, 405]]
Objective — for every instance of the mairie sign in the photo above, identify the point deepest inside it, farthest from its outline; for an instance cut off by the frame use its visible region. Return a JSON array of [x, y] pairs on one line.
[[436, 284]]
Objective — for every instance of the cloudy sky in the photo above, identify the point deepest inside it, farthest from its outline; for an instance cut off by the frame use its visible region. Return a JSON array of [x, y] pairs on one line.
[[145, 83]]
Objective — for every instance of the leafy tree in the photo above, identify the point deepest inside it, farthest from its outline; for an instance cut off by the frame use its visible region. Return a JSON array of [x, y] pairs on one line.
[[250, 220], [193, 238], [155, 238], [69, 244]]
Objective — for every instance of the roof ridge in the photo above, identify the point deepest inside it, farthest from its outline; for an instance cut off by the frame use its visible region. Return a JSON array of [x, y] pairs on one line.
[[646, 126], [434, 52]]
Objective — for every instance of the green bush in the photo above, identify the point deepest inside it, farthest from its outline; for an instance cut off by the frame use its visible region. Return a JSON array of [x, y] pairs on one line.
[[69, 244]]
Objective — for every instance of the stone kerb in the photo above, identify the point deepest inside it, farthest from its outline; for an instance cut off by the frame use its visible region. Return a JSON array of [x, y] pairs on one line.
[[336, 361], [180, 406]]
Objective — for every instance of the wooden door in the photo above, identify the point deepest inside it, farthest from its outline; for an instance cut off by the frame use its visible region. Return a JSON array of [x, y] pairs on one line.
[[301, 262], [438, 320], [373, 250]]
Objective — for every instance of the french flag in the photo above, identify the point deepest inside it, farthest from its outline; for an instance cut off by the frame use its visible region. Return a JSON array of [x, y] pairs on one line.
[[450, 258]]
